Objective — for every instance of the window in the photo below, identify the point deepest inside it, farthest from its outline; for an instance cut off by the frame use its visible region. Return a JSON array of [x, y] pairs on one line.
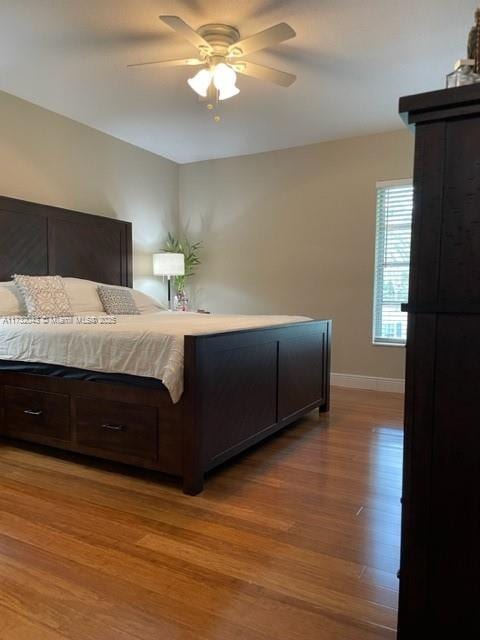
[[392, 261]]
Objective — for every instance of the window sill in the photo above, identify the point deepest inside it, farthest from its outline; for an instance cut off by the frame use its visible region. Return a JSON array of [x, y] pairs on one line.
[[400, 345]]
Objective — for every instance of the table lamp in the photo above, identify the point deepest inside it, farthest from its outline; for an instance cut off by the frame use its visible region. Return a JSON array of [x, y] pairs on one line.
[[169, 264]]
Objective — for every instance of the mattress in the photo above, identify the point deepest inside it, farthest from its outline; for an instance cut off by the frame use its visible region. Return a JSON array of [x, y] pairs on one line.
[[71, 373], [147, 346]]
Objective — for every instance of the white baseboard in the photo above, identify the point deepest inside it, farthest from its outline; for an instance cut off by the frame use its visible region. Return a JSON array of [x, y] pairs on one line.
[[353, 381]]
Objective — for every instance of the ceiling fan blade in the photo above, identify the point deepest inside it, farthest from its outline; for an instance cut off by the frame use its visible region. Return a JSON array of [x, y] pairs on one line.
[[192, 62], [282, 78], [267, 38], [182, 28]]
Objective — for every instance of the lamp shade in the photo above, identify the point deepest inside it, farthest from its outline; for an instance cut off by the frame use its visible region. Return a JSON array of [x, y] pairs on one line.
[[168, 264], [228, 92], [200, 82], [224, 78]]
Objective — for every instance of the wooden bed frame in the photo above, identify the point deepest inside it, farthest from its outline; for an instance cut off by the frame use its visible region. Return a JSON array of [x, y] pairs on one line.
[[240, 386]]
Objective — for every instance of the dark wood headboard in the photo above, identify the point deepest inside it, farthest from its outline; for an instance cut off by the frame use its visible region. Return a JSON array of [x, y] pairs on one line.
[[37, 239]]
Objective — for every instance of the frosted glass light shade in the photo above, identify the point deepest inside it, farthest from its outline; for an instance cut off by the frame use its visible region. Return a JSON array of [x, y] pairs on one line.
[[228, 92], [200, 82], [224, 78], [168, 264]]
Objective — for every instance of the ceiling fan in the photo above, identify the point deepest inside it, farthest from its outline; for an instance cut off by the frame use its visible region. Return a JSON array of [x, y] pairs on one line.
[[220, 54]]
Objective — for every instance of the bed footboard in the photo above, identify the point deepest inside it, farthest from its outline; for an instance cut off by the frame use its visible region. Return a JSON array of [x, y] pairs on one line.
[[242, 386]]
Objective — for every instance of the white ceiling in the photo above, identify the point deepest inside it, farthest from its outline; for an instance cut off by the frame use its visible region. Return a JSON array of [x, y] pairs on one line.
[[353, 59]]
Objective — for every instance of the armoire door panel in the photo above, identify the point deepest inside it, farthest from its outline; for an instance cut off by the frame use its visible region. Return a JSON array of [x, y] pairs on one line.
[[460, 256], [427, 213], [417, 489], [455, 473]]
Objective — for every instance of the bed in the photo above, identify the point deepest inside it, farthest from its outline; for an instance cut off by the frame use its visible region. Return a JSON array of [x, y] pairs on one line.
[[239, 385]]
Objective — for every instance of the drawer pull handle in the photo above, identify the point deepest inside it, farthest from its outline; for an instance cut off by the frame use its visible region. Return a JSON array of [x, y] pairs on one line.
[[32, 412], [113, 427]]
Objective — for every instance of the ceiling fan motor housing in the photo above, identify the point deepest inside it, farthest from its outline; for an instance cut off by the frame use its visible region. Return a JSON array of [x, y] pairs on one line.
[[220, 37]]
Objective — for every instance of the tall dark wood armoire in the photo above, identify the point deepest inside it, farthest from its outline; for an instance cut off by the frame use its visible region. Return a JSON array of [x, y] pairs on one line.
[[440, 557]]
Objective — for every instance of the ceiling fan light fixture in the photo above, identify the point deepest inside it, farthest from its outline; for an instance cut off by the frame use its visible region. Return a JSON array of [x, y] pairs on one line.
[[228, 92], [220, 50], [200, 82], [224, 79], [224, 76]]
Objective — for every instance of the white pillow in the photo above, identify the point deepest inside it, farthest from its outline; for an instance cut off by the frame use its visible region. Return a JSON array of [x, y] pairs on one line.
[[84, 297], [11, 300], [145, 303]]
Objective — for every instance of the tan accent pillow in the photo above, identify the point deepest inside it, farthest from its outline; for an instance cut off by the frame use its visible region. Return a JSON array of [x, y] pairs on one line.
[[44, 296]]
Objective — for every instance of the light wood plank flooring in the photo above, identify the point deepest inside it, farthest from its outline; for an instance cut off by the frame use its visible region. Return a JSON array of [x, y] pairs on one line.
[[295, 540]]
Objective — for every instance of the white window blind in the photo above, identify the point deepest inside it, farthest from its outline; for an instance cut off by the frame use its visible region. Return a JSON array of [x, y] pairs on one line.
[[392, 261]]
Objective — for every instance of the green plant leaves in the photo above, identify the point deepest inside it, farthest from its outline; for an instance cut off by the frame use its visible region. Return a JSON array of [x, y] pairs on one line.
[[190, 251]]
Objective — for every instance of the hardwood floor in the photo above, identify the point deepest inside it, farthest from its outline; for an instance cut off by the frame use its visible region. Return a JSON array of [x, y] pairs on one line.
[[296, 540]]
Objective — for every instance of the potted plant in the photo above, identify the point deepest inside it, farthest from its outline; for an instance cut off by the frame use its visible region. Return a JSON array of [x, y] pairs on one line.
[[190, 251]]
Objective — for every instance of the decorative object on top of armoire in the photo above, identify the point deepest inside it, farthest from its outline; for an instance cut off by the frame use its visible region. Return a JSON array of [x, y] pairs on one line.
[[462, 74], [190, 252], [467, 70], [440, 554], [473, 49]]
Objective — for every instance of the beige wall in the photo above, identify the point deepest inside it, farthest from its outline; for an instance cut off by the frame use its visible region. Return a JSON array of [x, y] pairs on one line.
[[293, 232], [50, 159]]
